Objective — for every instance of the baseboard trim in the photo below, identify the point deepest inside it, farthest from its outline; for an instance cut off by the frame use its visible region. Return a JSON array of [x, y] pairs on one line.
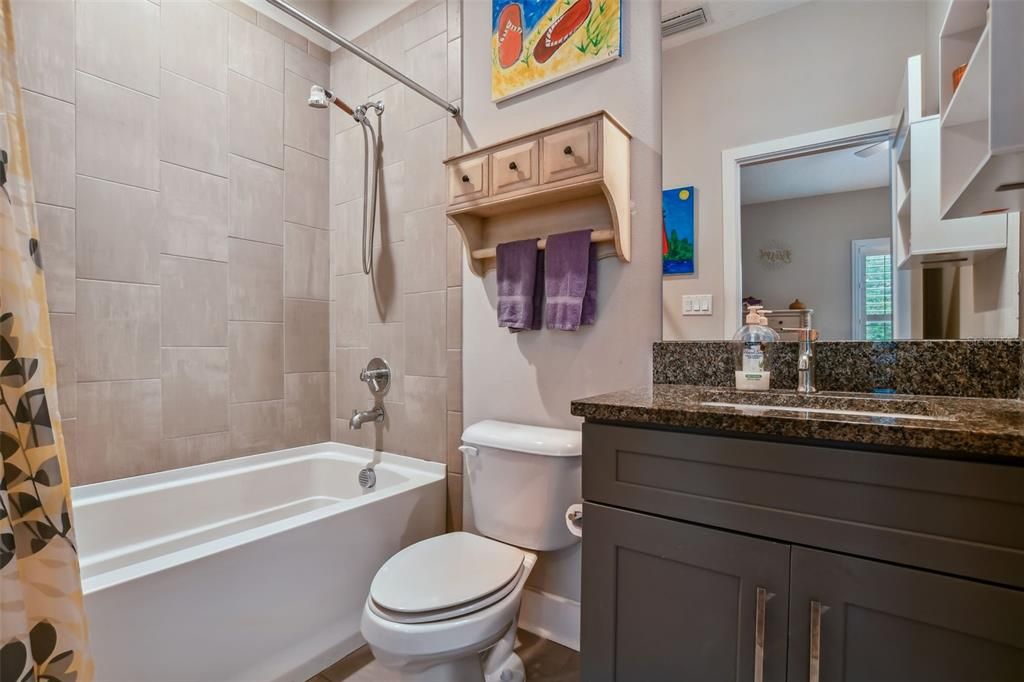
[[551, 617]]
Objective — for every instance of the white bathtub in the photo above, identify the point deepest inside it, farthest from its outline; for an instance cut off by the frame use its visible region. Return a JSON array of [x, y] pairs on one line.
[[253, 569]]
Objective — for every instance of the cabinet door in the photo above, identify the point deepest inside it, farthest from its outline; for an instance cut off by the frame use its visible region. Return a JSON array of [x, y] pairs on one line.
[[879, 623], [666, 600]]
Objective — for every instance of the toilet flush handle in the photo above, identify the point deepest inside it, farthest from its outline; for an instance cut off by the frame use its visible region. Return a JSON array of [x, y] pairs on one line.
[[468, 450]]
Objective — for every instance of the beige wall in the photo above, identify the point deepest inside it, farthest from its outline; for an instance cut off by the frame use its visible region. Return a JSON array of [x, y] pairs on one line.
[[817, 231], [816, 66], [183, 216], [410, 312], [532, 377]]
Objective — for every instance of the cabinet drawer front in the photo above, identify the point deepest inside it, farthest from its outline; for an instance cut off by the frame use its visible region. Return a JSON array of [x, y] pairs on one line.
[[467, 180], [963, 518], [568, 153], [515, 167]]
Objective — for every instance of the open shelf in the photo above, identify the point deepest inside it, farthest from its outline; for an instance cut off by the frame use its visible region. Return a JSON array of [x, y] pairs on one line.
[[969, 102]]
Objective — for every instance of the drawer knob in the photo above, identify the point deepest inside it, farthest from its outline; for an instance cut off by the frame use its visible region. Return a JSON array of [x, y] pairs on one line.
[[465, 178], [568, 150], [512, 166]]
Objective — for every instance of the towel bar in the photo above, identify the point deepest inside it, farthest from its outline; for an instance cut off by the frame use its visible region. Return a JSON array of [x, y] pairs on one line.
[[596, 236]]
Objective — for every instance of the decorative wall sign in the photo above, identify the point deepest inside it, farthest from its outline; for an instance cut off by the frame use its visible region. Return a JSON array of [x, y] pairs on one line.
[[774, 255], [535, 42]]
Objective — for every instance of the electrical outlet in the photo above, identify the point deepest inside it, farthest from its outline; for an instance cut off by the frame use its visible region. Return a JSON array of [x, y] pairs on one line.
[[699, 304]]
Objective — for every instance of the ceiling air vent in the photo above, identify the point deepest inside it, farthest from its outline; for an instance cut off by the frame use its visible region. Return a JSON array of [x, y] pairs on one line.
[[684, 21]]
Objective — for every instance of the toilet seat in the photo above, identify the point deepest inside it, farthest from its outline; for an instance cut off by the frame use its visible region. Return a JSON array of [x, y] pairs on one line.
[[445, 577]]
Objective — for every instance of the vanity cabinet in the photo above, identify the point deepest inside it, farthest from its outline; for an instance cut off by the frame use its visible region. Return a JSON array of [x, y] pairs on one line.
[[870, 566]]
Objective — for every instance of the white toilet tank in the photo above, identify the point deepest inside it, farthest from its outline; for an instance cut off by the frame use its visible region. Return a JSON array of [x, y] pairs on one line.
[[520, 480]]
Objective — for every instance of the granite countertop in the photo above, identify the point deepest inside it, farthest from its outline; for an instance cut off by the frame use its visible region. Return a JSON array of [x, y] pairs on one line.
[[987, 429]]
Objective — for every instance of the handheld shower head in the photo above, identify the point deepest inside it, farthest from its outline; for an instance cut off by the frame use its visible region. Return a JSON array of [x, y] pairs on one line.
[[319, 97]]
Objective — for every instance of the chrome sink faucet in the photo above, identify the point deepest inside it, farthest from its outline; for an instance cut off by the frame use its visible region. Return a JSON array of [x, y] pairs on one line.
[[377, 377], [805, 360]]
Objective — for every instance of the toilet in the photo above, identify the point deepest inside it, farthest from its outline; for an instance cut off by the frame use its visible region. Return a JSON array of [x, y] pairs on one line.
[[446, 609]]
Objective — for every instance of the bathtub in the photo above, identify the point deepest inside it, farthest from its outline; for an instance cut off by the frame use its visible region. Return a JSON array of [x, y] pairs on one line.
[[252, 569]]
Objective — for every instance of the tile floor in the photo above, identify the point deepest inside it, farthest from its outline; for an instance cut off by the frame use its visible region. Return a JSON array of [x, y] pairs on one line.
[[545, 662]]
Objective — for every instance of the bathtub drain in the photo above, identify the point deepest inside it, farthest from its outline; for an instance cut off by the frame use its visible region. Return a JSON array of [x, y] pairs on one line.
[[367, 478]]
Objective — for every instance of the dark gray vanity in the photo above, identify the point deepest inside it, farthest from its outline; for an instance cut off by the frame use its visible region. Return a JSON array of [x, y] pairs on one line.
[[757, 542]]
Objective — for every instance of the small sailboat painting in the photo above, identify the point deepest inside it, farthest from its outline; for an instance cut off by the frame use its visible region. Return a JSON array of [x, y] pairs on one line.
[[677, 231], [535, 42]]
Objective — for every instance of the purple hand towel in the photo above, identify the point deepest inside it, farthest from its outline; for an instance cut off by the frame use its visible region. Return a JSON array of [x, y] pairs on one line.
[[517, 285], [570, 280]]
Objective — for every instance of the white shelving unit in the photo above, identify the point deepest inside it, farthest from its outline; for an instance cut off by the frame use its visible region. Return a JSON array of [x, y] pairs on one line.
[[982, 120], [921, 238]]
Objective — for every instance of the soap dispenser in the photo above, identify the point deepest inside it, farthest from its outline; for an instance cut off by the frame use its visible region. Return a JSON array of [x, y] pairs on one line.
[[752, 346]]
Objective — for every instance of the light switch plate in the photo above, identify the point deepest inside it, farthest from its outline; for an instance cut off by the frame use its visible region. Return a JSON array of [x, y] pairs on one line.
[[699, 304]]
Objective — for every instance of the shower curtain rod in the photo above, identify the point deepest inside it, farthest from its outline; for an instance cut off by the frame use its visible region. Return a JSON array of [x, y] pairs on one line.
[[363, 54]]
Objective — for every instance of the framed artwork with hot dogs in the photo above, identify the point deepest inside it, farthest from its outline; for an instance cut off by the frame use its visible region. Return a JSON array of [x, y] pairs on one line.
[[535, 42]]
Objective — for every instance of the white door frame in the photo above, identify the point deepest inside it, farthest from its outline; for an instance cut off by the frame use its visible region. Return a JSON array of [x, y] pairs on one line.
[[733, 159]]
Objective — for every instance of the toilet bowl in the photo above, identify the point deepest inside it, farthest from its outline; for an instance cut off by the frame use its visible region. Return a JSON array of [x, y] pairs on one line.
[[446, 609], [463, 633]]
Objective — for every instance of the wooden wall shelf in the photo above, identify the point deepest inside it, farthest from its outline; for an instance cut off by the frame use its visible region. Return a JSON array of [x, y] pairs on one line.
[[571, 176]]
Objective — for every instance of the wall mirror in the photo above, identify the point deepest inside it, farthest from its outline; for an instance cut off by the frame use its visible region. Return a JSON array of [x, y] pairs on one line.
[[801, 170]]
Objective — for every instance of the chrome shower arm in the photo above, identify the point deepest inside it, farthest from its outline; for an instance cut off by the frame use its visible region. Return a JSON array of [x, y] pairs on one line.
[[363, 54]]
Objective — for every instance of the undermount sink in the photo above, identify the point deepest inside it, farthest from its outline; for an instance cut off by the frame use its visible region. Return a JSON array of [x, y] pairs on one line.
[[823, 404]]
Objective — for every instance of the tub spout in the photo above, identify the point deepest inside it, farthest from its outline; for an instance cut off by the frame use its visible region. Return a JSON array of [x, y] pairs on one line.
[[360, 417]]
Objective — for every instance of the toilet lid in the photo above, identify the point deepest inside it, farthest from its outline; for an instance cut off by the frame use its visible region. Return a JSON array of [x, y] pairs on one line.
[[443, 572]]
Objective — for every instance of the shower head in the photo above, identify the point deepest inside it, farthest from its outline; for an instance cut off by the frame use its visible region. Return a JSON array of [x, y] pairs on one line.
[[319, 98]]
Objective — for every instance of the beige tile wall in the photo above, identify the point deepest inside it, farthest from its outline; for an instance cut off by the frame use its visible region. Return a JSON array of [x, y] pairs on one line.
[[410, 312], [184, 214]]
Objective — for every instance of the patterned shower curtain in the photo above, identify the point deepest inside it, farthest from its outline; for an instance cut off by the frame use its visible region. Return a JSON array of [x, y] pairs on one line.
[[42, 621]]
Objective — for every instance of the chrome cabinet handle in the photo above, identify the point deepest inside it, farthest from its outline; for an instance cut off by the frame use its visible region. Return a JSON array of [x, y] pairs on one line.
[[759, 617], [814, 659], [567, 151]]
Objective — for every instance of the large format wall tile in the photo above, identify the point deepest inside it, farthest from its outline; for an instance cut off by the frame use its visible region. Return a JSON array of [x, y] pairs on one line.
[[193, 213], [193, 125], [194, 41], [57, 237], [305, 187], [427, 66], [256, 359], [426, 417], [307, 264], [119, 41], [425, 237], [307, 408], [305, 128], [257, 201], [351, 330], [426, 146], [255, 53], [64, 329], [116, 134], [191, 450], [425, 334], [257, 427], [194, 302], [50, 124], [307, 339], [194, 386], [118, 331], [45, 35], [119, 430], [118, 232], [256, 120], [255, 281], [307, 65], [347, 222], [347, 157]]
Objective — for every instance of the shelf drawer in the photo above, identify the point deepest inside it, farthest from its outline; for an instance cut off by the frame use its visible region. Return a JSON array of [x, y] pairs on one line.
[[515, 167], [467, 180], [570, 152]]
